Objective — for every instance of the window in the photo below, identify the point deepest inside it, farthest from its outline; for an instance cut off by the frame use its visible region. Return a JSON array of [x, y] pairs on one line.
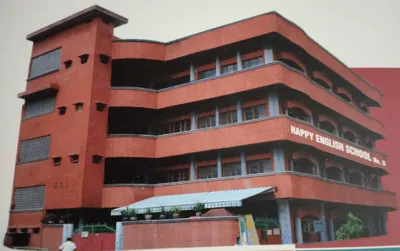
[[84, 58], [32, 150], [57, 161], [178, 175], [350, 136], [24, 230], [333, 173], [206, 122], [96, 158], [327, 126], [39, 107], [36, 230], [303, 165], [68, 64], [259, 166], [78, 106], [62, 110], [231, 169], [74, 158], [321, 83], [104, 58], [100, 106], [254, 112], [299, 113], [208, 172], [228, 117], [176, 126], [229, 68], [307, 226], [29, 198], [207, 74], [45, 63], [252, 62]]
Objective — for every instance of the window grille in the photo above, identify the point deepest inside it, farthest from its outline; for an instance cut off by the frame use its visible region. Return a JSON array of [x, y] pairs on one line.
[[39, 107], [254, 112], [29, 198], [32, 150], [229, 68], [208, 172], [45, 63], [231, 169], [207, 74], [252, 62]]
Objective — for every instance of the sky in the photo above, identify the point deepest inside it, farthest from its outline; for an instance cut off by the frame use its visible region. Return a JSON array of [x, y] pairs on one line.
[[361, 33]]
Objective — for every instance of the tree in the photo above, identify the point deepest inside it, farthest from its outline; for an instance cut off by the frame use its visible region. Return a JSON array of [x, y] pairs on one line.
[[351, 230]]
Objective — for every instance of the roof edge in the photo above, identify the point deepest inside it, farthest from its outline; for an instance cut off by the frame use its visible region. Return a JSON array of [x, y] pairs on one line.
[[75, 19]]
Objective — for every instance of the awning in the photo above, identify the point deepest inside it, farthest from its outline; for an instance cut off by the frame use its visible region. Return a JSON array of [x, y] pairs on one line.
[[42, 90], [218, 199]]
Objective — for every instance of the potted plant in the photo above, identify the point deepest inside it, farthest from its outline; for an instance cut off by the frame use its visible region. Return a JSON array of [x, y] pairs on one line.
[[61, 220], [67, 218], [199, 208], [132, 214], [148, 214], [175, 212], [50, 218], [163, 213], [125, 214]]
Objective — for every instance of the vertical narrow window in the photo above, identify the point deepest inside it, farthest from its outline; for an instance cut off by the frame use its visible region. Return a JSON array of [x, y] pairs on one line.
[[45, 63], [208, 121], [231, 169], [208, 172], [228, 117]]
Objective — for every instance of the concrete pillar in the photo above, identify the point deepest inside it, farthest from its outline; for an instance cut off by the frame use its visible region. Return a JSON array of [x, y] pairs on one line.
[[273, 103], [239, 111], [119, 237], [81, 222], [268, 53], [193, 124], [285, 221], [192, 73], [216, 116], [279, 159], [146, 177], [324, 235], [342, 176], [384, 222], [291, 165], [243, 163], [239, 61], [219, 165], [192, 168], [331, 230], [299, 230], [362, 180], [67, 231], [150, 128], [217, 67], [317, 171]]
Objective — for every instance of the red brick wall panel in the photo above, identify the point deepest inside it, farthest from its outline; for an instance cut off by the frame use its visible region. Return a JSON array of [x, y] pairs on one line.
[[52, 237], [25, 220], [119, 196], [188, 233]]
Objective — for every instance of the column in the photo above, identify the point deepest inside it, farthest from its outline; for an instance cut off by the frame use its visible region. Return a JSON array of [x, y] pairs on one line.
[[324, 236], [119, 237], [146, 177], [192, 168], [362, 180], [331, 230], [192, 73], [67, 231], [81, 222], [217, 67], [243, 163], [299, 231], [239, 61], [292, 165], [219, 165], [239, 111], [216, 116], [342, 176], [384, 222], [268, 53], [317, 171], [273, 103], [285, 221], [150, 128], [370, 228], [279, 159], [193, 124]]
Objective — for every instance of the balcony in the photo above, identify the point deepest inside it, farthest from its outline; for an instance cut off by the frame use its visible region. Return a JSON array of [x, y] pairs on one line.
[[263, 130]]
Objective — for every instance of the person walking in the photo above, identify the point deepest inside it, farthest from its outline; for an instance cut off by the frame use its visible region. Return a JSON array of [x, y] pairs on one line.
[[68, 245]]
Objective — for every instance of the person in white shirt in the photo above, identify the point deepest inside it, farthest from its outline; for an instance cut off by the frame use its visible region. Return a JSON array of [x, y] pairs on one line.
[[68, 245]]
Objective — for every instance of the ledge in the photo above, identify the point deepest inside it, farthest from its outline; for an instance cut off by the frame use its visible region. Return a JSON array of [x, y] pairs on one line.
[[75, 19], [49, 88], [219, 218]]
